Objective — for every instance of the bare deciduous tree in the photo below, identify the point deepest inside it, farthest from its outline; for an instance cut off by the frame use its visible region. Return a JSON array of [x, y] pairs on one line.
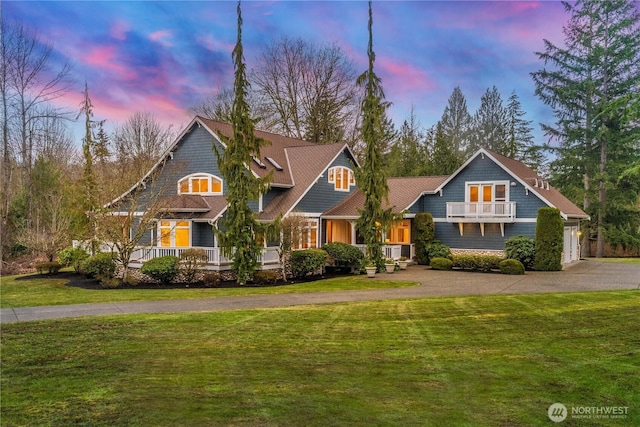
[[138, 144], [306, 91]]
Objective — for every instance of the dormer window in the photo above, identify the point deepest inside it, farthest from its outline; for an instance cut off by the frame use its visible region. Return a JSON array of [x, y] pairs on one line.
[[200, 183], [342, 178]]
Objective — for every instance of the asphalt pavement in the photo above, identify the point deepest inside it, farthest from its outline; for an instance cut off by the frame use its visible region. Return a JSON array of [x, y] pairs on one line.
[[585, 275]]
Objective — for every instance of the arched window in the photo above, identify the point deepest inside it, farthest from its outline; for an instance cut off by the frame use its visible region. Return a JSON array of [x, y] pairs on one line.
[[342, 178], [200, 183]]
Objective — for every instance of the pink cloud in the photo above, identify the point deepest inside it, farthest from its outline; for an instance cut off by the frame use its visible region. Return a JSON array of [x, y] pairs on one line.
[[119, 29], [161, 36], [105, 57], [213, 45], [405, 76]]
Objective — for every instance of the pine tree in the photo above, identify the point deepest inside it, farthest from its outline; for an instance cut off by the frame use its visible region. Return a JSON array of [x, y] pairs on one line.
[[520, 142], [371, 178], [407, 157], [587, 83], [456, 124], [88, 184], [240, 227], [489, 129], [444, 160]]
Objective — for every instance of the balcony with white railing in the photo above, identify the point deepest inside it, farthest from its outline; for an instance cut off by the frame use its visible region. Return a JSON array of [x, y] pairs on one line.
[[481, 212]]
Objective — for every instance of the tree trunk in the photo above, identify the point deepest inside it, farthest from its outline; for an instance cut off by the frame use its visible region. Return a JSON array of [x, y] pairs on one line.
[[602, 195]]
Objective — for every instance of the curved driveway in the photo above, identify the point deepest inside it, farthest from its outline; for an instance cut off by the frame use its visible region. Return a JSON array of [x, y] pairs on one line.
[[587, 275]]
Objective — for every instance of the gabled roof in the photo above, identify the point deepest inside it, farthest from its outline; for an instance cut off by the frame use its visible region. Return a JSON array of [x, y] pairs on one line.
[[307, 164], [403, 193], [530, 180], [275, 148]]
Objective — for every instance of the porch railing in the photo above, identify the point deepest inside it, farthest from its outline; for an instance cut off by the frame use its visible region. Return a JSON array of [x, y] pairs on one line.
[[388, 251], [214, 255]]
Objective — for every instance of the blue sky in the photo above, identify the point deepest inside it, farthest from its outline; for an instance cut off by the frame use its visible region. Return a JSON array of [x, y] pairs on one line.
[[164, 56]]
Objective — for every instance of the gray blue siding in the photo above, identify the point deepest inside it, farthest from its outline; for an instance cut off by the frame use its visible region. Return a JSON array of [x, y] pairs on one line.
[[449, 234], [322, 195]]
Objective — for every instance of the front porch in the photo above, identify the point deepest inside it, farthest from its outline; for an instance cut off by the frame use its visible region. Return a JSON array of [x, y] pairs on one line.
[[216, 261]]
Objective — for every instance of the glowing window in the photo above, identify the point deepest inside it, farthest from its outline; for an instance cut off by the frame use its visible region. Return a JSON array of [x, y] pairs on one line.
[[307, 236], [400, 232], [174, 234], [200, 184], [342, 178]]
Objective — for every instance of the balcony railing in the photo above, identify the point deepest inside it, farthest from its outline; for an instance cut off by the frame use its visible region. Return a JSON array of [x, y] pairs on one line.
[[388, 251], [481, 212]]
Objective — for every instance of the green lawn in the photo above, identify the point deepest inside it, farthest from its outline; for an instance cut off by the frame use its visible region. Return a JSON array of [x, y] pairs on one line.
[[49, 291], [466, 361], [620, 260]]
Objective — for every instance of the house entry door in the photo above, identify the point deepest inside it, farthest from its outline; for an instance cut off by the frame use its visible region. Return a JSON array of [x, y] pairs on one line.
[[480, 193]]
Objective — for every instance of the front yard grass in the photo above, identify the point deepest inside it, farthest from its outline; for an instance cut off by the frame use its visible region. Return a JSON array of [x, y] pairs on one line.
[[466, 361], [620, 260], [51, 291]]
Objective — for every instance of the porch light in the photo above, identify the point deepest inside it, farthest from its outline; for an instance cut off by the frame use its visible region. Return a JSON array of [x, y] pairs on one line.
[[513, 183]]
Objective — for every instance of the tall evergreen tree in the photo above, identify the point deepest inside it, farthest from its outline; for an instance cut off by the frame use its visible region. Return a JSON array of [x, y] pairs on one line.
[[240, 226], [590, 83], [456, 124], [89, 184], [520, 142], [489, 128], [444, 159], [371, 178], [407, 157]]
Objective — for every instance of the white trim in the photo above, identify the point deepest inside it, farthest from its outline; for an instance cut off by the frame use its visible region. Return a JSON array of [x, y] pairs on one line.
[[313, 182], [516, 220], [196, 175]]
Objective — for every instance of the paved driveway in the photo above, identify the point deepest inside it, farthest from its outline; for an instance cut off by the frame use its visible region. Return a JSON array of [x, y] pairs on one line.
[[587, 275]]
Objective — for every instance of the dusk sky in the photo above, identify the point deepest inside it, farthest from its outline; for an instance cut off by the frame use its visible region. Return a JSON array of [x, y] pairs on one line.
[[165, 57]]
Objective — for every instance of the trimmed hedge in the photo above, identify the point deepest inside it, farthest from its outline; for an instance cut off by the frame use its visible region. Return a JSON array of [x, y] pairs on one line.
[[476, 262], [101, 266], [164, 268], [441, 264], [265, 277], [73, 257], [437, 249], [51, 267], [307, 261], [521, 248], [549, 240], [344, 255], [511, 266]]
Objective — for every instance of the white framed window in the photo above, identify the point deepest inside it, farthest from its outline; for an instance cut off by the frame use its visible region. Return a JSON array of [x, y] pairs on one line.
[[200, 183], [306, 237], [342, 178], [174, 233], [485, 196]]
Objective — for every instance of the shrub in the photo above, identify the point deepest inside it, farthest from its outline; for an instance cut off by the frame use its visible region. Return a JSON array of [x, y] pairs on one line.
[[521, 248], [511, 266], [211, 279], [441, 264], [477, 262], [164, 268], [437, 249], [265, 277], [51, 267], [191, 262], [101, 266], [344, 255], [549, 237], [307, 261], [423, 231], [73, 257]]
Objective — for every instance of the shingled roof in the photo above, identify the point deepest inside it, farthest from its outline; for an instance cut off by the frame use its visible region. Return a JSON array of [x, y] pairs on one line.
[[403, 193], [537, 185]]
